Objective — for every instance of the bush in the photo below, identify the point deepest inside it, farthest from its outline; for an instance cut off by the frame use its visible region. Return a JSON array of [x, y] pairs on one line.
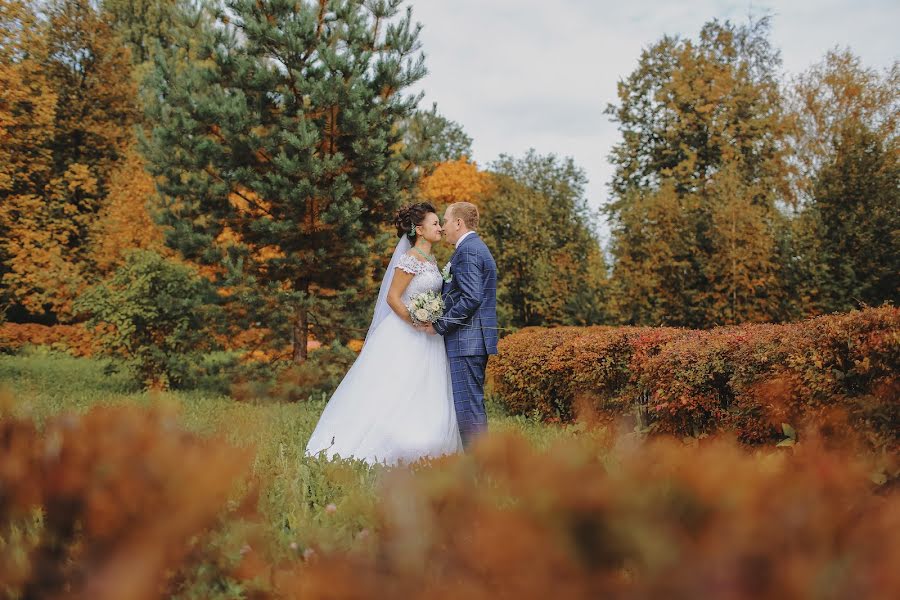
[[318, 376], [534, 350], [71, 339], [662, 520], [749, 378], [129, 505], [155, 314], [115, 483]]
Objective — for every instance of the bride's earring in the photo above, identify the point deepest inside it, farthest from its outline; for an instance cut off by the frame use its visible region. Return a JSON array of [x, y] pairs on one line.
[[412, 230]]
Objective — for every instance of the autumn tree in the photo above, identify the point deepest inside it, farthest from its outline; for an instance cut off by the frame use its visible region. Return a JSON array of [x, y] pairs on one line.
[[454, 181], [535, 219], [73, 111], [125, 220], [741, 282], [434, 139], [856, 198], [145, 25], [844, 241], [657, 278], [27, 113], [276, 144], [700, 172], [834, 96]]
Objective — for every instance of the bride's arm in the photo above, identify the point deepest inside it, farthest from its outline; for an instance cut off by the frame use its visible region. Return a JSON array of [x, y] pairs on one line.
[[398, 285]]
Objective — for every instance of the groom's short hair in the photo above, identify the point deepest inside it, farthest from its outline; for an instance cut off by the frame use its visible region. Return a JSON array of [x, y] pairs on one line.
[[466, 211]]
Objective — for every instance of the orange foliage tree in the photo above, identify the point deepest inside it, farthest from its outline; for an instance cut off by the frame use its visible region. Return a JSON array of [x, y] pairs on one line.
[[68, 83], [27, 114], [455, 181], [125, 221]]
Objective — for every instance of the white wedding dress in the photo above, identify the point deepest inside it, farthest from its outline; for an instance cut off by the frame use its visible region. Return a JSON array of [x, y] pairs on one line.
[[395, 404]]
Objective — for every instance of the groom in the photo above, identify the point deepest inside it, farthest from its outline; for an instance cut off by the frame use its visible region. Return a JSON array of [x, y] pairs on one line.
[[469, 324]]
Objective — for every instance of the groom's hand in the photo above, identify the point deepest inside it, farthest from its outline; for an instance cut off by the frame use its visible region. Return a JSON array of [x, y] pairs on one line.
[[429, 329]]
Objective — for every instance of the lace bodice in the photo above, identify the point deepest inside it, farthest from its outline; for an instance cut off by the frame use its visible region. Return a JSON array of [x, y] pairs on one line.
[[427, 277]]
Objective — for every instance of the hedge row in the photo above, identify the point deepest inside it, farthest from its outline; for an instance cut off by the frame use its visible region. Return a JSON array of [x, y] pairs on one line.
[[74, 339], [78, 340], [749, 378]]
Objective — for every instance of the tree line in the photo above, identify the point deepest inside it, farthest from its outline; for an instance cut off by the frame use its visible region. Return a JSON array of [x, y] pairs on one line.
[[248, 156]]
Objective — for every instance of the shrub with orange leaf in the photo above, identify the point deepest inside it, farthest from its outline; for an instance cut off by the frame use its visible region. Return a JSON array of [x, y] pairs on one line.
[[122, 492], [74, 339], [656, 520], [128, 498], [691, 382]]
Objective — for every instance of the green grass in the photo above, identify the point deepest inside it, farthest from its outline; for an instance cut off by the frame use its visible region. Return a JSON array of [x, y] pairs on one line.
[[294, 488]]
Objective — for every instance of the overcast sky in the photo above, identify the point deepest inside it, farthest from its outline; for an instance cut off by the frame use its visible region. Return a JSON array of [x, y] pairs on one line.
[[525, 73]]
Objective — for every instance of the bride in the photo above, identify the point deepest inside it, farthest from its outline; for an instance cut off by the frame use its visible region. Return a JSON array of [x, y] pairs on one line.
[[395, 404]]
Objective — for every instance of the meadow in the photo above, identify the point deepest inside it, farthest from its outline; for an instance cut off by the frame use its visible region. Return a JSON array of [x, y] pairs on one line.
[[43, 384]]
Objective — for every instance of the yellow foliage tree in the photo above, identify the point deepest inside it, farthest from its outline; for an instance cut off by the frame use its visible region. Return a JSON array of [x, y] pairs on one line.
[[27, 115], [67, 106], [125, 221]]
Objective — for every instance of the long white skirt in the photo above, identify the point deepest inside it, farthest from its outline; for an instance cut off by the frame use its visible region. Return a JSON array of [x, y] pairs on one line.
[[394, 404]]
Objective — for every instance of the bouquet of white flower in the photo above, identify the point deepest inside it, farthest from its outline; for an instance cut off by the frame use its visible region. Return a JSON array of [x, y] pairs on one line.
[[426, 308]]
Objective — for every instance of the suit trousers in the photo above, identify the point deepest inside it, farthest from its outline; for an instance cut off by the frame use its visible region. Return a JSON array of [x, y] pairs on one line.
[[467, 375]]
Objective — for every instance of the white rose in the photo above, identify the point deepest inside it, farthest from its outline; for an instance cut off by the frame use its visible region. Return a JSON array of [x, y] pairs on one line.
[[421, 315], [434, 305]]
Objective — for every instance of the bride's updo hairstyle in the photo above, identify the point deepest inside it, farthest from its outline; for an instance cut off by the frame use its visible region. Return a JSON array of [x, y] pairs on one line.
[[410, 216]]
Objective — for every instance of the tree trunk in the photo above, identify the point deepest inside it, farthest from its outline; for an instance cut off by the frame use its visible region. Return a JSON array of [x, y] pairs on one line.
[[301, 335], [734, 317]]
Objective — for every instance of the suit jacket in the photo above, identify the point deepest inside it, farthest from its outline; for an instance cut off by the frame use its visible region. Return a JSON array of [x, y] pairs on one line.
[[470, 301]]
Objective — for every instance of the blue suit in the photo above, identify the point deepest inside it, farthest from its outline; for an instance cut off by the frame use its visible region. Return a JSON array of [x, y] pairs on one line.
[[469, 327]]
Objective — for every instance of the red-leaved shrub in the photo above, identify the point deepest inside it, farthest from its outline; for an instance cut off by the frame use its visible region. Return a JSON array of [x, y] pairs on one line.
[[749, 378]]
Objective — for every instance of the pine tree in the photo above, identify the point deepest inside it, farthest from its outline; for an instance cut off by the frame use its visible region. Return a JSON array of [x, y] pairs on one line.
[[434, 139], [276, 148], [857, 200]]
